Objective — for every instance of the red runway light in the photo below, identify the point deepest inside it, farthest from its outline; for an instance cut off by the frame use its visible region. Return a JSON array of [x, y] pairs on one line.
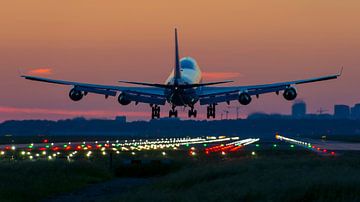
[[56, 148], [324, 150], [46, 141], [7, 148], [332, 153], [42, 148]]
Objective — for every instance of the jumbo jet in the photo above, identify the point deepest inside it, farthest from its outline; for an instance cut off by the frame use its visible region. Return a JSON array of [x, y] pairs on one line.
[[184, 87]]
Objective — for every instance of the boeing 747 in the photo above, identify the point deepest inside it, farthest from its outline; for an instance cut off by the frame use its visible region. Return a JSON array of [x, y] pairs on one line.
[[184, 87]]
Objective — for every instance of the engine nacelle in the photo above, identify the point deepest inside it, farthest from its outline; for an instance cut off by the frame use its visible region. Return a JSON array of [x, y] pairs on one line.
[[290, 93], [244, 98], [76, 95], [122, 99]]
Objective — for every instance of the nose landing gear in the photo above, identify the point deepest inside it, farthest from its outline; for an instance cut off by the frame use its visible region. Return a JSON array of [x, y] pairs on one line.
[[211, 111]]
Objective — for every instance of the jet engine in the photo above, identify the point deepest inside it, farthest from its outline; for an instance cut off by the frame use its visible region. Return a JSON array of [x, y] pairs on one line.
[[244, 98], [122, 99], [75, 95], [290, 93]]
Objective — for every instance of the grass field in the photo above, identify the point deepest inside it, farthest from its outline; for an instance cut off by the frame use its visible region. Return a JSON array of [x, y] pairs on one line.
[[265, 178], [32, 181], [274, 174]]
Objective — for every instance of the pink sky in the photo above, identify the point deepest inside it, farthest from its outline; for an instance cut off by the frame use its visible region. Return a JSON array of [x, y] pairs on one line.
[[249, 41]]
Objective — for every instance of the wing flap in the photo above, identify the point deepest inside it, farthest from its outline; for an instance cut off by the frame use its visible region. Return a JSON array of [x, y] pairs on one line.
[[210, 95], [218, 98], [96, 91], [145, 98], [150, 95]]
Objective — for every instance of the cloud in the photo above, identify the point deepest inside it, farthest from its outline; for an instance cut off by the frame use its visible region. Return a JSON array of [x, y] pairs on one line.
[[220, 75], [41, 71]]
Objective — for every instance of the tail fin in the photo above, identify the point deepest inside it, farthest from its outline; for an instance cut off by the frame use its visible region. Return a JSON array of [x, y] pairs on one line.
[[177, 72]]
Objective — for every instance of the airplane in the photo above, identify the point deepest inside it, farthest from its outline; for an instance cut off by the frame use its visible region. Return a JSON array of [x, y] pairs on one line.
[[184, 87]]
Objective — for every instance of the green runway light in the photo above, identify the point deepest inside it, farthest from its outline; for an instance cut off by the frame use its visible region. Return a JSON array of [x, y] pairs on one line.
[[292, 146], [205, 145], [47, 146], [275, 145], [65, 145], [257, 145], [187, 145]]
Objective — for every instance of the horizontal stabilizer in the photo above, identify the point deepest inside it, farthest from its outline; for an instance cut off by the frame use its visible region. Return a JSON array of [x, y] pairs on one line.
[[147, 84], [203, 84]]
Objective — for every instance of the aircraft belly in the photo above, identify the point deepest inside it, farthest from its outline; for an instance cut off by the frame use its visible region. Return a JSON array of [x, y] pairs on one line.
[[185, 98]]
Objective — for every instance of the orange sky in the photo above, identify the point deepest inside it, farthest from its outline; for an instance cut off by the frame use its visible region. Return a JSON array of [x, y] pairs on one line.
[[105, 41]]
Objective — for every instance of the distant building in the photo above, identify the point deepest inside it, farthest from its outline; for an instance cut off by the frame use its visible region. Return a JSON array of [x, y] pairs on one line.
[[355, 112], [298, 110], [341, 112], [120, 119]]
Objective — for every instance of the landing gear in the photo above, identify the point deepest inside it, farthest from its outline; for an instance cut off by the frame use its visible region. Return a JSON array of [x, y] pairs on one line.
[[173, 112], [155, 112], [211, 111], [192, 112]]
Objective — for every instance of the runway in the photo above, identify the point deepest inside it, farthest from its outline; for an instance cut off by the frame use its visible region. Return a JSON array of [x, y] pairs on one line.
[[334, 145]]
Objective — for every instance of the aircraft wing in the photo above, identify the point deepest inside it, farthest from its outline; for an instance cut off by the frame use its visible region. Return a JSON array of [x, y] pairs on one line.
[[211, 95], [150, 95]]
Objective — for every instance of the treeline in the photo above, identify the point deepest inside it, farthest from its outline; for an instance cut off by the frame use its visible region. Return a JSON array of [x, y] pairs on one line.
[[172, 128]]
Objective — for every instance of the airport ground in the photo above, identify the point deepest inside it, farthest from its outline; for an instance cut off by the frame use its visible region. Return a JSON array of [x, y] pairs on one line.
[[268, 171]]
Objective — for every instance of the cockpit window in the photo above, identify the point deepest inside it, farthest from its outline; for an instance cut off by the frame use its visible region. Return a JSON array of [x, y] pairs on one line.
[[188, 63]]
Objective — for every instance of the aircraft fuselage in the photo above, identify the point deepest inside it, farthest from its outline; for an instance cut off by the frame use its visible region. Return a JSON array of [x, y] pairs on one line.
[[190, 74]]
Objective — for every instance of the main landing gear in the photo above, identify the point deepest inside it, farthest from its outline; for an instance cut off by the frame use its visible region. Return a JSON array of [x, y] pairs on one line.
[[211, 111], [192, 112], [155, 112], [173, 112]]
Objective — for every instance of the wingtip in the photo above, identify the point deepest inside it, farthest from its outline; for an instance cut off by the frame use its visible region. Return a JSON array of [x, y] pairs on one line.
[[341, 70]]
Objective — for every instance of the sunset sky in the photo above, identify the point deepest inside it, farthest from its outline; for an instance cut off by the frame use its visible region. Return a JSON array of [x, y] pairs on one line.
[[103, 41]]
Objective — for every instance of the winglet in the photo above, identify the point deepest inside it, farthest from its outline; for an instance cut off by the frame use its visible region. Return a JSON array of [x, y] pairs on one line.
[[341, 70], [20, 73]]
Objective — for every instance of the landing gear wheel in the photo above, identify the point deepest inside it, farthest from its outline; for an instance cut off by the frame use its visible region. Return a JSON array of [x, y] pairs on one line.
[[211, 111], [155, 112], [191, 113], [173, 113]]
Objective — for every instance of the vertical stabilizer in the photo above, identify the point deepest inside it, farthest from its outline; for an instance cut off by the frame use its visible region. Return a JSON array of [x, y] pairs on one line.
[[177, 72]]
